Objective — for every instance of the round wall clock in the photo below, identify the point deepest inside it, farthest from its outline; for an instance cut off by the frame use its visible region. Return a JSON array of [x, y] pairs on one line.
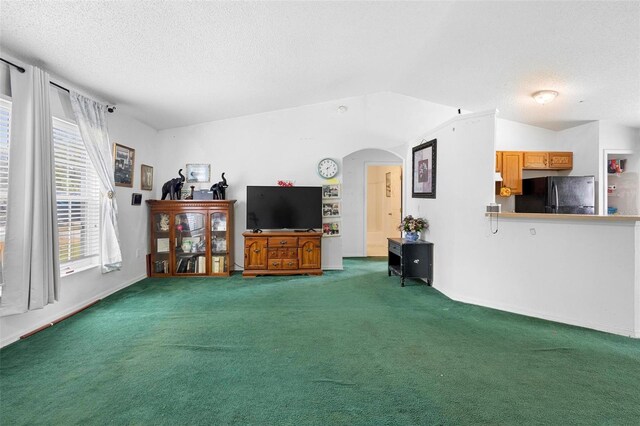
[[327, 168]]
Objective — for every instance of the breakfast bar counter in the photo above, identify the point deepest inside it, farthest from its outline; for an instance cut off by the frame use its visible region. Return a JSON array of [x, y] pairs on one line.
[[581, 217]]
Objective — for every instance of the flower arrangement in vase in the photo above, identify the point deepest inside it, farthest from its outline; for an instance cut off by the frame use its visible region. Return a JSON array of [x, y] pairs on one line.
[[412, 226]]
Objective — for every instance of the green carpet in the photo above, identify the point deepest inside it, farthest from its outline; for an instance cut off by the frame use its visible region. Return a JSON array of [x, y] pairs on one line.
[[349, 347]]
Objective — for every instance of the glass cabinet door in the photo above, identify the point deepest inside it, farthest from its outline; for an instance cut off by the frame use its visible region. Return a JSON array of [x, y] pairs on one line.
[[160, 249], [191, 243], [219, 243]]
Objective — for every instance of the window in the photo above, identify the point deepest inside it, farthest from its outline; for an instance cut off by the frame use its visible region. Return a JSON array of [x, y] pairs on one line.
[[5, 117], [78, 198]]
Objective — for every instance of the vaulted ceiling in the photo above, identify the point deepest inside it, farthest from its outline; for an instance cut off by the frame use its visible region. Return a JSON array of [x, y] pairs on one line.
[[173, 64]]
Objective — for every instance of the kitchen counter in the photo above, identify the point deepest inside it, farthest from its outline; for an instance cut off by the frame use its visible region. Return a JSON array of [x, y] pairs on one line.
[[582, 217]]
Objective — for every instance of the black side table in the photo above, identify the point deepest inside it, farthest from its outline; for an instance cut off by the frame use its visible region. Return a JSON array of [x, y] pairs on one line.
[[411, 259]]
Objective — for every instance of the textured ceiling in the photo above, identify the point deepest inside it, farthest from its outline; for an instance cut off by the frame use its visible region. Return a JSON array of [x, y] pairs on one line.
[[173, 64]]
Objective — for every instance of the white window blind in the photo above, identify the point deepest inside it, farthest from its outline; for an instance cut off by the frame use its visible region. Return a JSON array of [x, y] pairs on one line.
[[78, 198], [5, 119]]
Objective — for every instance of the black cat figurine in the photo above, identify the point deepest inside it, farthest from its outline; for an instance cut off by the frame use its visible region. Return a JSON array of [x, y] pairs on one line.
[[218, 189], [173, 187]]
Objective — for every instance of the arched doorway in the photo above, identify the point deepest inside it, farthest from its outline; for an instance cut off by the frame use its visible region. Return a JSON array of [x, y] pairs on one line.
[[364, 199]]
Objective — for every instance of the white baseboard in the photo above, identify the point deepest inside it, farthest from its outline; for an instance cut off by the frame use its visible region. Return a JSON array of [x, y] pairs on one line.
[[4, 341], [541, 315]]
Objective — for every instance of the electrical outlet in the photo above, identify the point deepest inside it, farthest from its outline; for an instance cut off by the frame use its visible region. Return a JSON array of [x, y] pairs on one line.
[[532, 231], [137, 252]]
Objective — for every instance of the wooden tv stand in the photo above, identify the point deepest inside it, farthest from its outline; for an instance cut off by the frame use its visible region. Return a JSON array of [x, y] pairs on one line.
[[282, 253]]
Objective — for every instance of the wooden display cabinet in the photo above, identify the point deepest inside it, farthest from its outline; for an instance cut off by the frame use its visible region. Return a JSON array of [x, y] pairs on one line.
[[282, 253], [191, 238]]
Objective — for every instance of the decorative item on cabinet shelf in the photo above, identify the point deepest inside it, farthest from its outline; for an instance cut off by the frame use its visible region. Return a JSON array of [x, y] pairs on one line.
[[219, 189], [163, 223], [173, 187], [413, 227], [190, 196], [286, 183], [161, 267], [218, 245], [162, 245]]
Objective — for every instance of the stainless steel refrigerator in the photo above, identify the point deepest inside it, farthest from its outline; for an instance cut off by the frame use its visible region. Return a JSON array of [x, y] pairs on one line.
[[557, 194]]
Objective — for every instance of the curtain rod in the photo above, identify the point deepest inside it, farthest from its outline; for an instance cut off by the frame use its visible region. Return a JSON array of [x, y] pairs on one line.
[[110, 108], [19, 68], [58, 86]]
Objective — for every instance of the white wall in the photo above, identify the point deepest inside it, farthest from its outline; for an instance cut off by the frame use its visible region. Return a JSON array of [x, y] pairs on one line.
[[84, 287], [354, 172], [514, 136], [579, 273], [287, 144]]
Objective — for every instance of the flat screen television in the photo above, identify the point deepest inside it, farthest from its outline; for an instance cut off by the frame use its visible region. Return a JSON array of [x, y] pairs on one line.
[[278, 207]]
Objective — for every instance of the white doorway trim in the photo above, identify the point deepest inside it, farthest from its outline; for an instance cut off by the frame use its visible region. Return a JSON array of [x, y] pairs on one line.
[[400, 163]]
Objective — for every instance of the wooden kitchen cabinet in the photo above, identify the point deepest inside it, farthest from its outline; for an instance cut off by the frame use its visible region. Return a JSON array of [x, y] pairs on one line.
[[511, 171], [542, 160], [561, 160], [534, 160]]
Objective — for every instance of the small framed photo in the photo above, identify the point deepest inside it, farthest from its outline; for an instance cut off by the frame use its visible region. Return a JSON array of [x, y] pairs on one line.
[[146, 177], [387, 179], [424, 170], [198, 173], [136, 199], [331, 228], [123, 159], [331, 209], [331, 191]]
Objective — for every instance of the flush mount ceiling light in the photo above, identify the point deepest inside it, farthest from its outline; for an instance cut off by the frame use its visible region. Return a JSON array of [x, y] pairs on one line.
[[544, 96]]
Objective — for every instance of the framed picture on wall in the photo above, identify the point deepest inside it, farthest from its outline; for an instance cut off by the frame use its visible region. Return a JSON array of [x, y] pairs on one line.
[[331, 209], [146, 177], [123, 159], [424, 170], [331, 228], [331, 191], [198, 173], [387, 181]]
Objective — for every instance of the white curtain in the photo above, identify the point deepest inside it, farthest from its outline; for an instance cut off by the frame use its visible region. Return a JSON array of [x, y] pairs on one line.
[[92, 122], [31, 264]]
